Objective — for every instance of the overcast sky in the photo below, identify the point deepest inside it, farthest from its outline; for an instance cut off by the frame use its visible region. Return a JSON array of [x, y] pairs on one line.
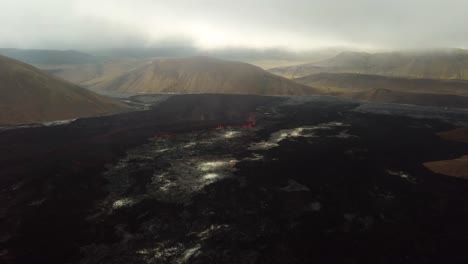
[[211, 24]]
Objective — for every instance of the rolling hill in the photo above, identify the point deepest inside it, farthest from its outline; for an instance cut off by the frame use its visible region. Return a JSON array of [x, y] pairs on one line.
[[350, 82], [28, 95], [385, 89], [442, 64], [203, 75], [426, 99]]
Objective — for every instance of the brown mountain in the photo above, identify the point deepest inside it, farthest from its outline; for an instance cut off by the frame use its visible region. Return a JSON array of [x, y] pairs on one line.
[[28, 95], [446, 64], [389, 96], [203, 75], [350, 82]]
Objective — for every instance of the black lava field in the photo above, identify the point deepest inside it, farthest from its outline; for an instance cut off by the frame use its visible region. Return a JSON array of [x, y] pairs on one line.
[[235, 179]]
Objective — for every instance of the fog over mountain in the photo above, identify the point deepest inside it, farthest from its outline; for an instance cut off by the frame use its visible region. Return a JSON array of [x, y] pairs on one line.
[[209, 24]]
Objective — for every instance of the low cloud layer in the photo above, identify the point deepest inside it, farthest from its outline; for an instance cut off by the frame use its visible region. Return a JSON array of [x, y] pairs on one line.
[[214, 24]]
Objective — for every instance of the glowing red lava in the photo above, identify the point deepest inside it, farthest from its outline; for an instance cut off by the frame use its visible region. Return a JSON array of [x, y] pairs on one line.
[[251, 123]]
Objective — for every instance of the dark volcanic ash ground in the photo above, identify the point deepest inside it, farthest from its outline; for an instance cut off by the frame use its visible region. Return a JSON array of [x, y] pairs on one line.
[[236, 179]]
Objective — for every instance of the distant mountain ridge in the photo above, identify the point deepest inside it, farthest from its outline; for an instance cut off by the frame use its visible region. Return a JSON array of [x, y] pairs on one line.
[[203, 75], [426, 99], [449, 64], [29, 95], [385, 89], [48, 57], [351, 82]]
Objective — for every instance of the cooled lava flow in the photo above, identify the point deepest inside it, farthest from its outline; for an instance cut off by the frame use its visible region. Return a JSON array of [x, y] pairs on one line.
[[163, 135]]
